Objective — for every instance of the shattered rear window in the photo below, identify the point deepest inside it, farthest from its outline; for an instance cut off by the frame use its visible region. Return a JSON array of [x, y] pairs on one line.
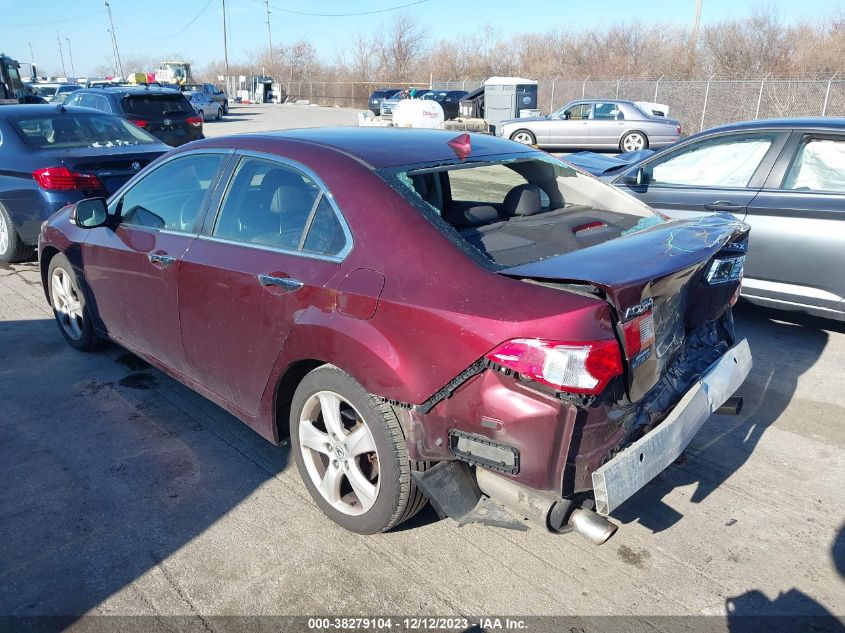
[[514, 211]]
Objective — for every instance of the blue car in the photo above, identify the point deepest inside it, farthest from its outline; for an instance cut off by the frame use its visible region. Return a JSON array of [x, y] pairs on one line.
[[53, 155]]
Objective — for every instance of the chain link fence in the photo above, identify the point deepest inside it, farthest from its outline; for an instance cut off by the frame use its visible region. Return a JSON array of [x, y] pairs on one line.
[[697, 103]]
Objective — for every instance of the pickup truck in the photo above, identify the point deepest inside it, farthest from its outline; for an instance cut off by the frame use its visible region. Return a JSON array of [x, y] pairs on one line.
[[214, 93]]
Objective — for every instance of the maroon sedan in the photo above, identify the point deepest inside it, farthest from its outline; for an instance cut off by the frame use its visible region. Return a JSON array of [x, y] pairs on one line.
[[461, 319]]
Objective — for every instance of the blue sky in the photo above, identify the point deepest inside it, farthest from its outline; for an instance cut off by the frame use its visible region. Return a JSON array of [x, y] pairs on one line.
[[157, 27]]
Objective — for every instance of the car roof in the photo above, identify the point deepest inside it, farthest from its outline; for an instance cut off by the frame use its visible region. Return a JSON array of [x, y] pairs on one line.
[[43, 109], [378, 147], [818, 122], [130, 90]]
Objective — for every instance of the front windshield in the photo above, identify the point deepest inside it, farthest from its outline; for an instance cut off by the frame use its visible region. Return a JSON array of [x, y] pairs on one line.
[[67, 131], [516, 210]]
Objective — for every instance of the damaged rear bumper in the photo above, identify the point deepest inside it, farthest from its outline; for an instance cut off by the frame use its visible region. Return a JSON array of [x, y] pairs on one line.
[[634, 467]]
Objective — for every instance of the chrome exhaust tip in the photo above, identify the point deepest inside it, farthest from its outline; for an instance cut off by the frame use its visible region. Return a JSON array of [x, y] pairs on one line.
[[591, 526]]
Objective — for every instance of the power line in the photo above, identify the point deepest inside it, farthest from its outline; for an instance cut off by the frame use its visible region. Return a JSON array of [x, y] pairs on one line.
[[172, 35], [344, 15], [43, 23]]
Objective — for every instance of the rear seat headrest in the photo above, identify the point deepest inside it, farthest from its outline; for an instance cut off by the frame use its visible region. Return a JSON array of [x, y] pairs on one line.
[[523, 200], [472, 216]]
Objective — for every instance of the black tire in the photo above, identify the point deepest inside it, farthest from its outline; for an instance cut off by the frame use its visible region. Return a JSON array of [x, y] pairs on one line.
[[88, 341], [219, 114], [522, 134], [225, 107], [629, 135], [15, 250], [398, 499]]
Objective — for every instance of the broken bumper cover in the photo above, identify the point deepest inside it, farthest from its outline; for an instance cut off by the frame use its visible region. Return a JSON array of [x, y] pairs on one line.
[[633, 468]]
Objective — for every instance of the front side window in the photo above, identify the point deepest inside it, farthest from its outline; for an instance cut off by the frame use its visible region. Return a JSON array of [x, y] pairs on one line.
[[721, 162], [819, 165], [272, 204], [578, 111], [170, 197]]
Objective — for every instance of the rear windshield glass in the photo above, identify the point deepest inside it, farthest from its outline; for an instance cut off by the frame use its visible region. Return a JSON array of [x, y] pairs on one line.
[[516, 211], [153, 105], [79, 130], [44, 91]]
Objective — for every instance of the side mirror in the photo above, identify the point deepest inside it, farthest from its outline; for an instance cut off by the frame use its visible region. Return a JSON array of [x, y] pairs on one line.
[[636, 178], [90, 213]]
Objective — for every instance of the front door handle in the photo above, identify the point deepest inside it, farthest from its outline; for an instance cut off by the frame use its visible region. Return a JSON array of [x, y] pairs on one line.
[[286, 283], [160, 261], [723, 205]]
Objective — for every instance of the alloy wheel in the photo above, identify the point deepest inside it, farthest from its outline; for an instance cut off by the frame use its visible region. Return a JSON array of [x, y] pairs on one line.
[[67, 304], [524, 138], [339, 453], [4, 235], [633, 142]]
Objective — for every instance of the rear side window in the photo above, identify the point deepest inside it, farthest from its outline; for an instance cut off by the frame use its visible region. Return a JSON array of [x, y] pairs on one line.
[[275, 205], [156, 105], [66, 131], [721, 162], [819, 165], [171, 196]]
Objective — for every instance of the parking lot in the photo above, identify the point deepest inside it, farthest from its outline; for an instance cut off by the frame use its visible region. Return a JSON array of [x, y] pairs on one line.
[[125, 493]]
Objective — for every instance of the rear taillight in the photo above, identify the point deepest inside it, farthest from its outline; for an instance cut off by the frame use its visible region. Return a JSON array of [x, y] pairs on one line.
[[139, 122], [678, 128], [195, 121], [639, 334], [575, 367], [63, 179]]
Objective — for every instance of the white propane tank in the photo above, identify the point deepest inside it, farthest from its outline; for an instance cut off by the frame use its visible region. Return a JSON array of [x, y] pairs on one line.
[[418, 113]]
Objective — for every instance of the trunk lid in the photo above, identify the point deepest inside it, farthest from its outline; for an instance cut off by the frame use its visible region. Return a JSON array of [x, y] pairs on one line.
[[113, 166], [663, 266]]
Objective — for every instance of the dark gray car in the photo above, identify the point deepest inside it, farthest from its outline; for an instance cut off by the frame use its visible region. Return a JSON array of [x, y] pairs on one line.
[[784, 177], [594, 123]]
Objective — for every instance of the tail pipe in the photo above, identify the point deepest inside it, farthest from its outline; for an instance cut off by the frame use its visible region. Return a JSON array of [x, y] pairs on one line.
[[555, 514]]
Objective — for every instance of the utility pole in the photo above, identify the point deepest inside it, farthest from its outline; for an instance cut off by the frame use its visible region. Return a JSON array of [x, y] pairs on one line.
[[61, 56], [225, 48], [70, 54], [32, 58], [269, 38], [117, 65], [693, 40]]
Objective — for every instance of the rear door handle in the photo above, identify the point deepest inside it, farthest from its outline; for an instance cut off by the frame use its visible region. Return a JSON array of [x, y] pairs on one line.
[[723, 205], [286, 283], [160, 261]]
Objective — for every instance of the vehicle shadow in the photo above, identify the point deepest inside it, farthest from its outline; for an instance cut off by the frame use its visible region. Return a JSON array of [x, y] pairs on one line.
[[727, 442], [108, 468], [790, 611]]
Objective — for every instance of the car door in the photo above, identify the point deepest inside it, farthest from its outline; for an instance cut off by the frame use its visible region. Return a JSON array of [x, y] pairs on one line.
[[605, 125], [276, 241], [707, 175], [797, 250], [570, 130], [132, 267]]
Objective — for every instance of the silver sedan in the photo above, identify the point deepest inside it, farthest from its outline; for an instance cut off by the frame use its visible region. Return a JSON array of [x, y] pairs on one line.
[[206, 107], [595, 123]]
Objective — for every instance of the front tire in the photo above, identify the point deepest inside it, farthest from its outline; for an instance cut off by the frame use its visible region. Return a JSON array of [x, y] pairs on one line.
[[12, 248], [69, 307], [633, 141], [351, 454], [526, 137]]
